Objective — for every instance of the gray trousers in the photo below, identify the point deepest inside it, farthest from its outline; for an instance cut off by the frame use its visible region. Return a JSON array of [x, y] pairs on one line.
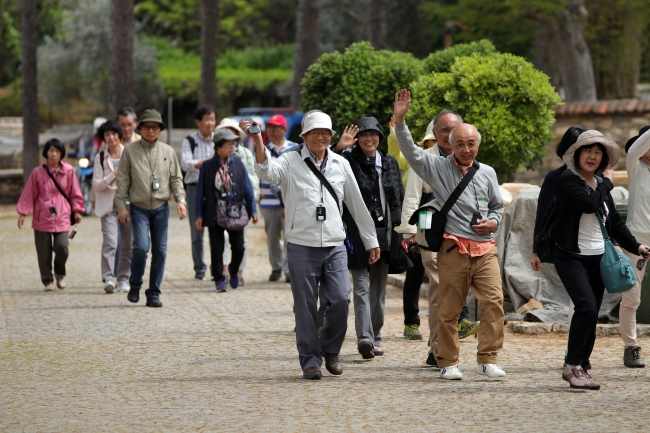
[[111, 230], [46, 244], [309, 266], [197, 235], [274, 226], [369, 285]]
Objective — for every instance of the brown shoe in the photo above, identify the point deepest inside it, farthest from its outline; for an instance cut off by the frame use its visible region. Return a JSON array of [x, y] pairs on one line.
[[312, 373], [365, 349], [333, 363], [378, 351], [576, 377], [593, 385], [631, 357]]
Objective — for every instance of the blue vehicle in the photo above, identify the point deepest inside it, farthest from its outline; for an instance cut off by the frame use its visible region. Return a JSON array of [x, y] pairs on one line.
[[262, 115]]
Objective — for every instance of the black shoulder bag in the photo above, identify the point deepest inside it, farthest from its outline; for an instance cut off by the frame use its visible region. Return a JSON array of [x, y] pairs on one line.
[[72, 220], [434, 234], [543, 243]]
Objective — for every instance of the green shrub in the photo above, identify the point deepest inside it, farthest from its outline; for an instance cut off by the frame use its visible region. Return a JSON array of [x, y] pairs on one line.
[[273, 57], [359, 82], [442, 60], [509, 101]]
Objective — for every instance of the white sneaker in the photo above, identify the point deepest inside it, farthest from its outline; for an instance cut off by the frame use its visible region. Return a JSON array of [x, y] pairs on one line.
[[490, 370], [451, 373], [123, 286], [60, 281], [109, 285]]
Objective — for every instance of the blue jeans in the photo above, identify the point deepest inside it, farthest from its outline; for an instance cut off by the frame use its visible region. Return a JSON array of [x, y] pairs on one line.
[[145, 221]]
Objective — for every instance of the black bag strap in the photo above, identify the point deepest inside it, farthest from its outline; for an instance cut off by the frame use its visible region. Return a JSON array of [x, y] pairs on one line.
[[459, 189], [323, 180], [101, 159], [57, 185], [192, 143]]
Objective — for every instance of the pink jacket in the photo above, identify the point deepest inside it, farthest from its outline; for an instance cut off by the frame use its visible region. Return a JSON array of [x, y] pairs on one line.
[[40, 194], [104, 183]]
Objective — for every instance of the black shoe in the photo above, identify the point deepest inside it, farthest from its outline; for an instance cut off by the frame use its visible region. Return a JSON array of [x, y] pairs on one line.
[[365, 349], [154, 302], [312, 373], [287, 279], [275, 275], [333, 363], [432, 361], [199, 277], [134, 295]]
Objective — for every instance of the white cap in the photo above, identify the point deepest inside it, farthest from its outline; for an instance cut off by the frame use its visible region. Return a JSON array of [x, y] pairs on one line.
[[317, 120]]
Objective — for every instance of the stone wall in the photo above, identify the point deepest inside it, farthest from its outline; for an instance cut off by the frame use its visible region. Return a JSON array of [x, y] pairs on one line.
[[11, 185]]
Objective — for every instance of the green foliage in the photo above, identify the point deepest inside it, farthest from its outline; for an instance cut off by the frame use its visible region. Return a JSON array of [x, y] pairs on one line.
[[511, 104], [237, 71], [359, 82], [441, 60]]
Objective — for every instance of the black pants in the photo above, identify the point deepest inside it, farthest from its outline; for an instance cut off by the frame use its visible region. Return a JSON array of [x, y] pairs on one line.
[[216, 250], [48, 244], [411, 292], [582, 281]]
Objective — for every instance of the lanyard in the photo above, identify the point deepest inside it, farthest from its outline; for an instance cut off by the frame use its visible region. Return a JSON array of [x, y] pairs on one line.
[[153, 170]]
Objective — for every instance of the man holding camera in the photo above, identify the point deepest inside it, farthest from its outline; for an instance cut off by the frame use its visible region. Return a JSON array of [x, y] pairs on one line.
[[149, 173], [468, 255]]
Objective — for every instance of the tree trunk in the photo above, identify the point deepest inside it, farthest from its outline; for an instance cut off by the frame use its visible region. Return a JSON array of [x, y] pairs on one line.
[[572, 55], [209, 27], [30, 87], [378, 24], [307, 38], [121, 92]]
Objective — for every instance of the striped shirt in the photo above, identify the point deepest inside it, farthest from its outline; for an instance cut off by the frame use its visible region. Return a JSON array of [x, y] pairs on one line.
[[269, 200], [204, 150]]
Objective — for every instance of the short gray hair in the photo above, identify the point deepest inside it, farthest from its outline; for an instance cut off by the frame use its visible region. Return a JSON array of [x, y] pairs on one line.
[[451, 136], [126, 111], [442, 113]]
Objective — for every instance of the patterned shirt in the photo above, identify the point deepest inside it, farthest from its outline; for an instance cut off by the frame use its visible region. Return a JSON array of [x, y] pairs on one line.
[[204, 150]]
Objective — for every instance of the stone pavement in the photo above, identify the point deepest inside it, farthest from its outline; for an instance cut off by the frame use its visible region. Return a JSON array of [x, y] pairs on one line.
[[81, 360]]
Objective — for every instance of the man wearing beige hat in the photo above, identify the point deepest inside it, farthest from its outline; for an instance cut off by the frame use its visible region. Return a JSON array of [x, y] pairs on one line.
[[149, 173], [315, 183]]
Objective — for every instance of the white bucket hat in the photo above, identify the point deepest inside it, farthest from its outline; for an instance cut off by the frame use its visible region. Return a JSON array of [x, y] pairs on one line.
[[317, 120], [588, 138], [429, 134]]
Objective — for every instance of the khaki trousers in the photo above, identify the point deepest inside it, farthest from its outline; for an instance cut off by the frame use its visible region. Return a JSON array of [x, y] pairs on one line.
[[457, 273], [430, 263]]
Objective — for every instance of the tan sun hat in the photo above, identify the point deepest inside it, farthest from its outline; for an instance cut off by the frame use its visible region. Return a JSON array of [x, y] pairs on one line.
[[429, 134], [588, 138], [227, 122]]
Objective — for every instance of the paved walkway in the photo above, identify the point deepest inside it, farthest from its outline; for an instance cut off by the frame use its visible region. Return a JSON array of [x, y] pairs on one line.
[[82, 360]]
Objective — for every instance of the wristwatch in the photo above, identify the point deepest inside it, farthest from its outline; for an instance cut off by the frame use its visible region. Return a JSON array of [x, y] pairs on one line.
[[182, 201]]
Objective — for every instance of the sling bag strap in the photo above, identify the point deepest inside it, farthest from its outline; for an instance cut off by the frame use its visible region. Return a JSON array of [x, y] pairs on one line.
[[323, 180], [57, 185], [459, 189]]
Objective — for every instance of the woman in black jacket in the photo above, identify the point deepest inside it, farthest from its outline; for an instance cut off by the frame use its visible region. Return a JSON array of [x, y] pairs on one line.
[[379, 180], [582, 198]]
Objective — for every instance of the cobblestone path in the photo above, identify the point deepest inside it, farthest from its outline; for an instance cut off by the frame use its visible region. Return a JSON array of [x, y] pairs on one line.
[[81, 360]]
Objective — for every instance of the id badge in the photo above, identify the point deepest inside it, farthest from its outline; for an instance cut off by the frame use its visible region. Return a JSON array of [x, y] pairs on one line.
[[422, 220], [320, 213], [155, 185]]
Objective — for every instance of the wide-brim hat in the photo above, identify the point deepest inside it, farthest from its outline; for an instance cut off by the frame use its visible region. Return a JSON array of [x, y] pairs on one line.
[[227, 122], [224, 134], [369, 124], [429, 135], [151, 115], [588, 138], [317, 120]]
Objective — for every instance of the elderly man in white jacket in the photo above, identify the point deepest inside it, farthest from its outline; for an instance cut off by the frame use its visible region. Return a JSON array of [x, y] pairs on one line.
[[315, 237]]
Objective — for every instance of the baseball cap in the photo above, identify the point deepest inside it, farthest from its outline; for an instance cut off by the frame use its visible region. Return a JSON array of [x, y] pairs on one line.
[[277, 120]]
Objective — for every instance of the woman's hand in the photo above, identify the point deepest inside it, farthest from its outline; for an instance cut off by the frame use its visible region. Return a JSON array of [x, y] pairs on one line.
[[609, 173], [255, 218], [199, 223], [21, 221], [644, 251], [402, 105], [77, 217], [391, 124], [347, 138], [536, 263]]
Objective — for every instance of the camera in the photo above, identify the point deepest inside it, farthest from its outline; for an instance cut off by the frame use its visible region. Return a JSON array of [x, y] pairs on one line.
[[475, 218], [253, 128]]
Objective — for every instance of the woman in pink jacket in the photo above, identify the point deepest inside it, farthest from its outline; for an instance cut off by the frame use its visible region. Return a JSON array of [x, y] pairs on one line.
[[51, 217]]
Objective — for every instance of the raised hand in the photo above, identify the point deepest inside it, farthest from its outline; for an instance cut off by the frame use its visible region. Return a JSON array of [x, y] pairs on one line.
[[347, 138], [609, 173], [402, 105], [391, 124]]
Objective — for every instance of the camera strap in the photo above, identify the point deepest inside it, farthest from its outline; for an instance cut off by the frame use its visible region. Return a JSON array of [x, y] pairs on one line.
[[57, 185], [459, 189], [323, 181]]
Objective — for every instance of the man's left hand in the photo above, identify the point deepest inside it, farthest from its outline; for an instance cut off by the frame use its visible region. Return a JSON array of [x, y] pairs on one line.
[[484, 227], [182, 211], [375, 253]]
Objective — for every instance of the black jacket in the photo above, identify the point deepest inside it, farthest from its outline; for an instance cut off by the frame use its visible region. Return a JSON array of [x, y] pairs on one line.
[[367, 178], [573, 201]]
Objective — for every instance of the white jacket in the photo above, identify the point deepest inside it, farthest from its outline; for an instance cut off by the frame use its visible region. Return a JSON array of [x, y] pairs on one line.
[[302, 192], [415, 186], [104, 183]]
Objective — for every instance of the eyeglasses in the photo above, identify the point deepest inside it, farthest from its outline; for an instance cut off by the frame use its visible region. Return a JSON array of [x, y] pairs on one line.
[[150, 127], [324, 134]]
